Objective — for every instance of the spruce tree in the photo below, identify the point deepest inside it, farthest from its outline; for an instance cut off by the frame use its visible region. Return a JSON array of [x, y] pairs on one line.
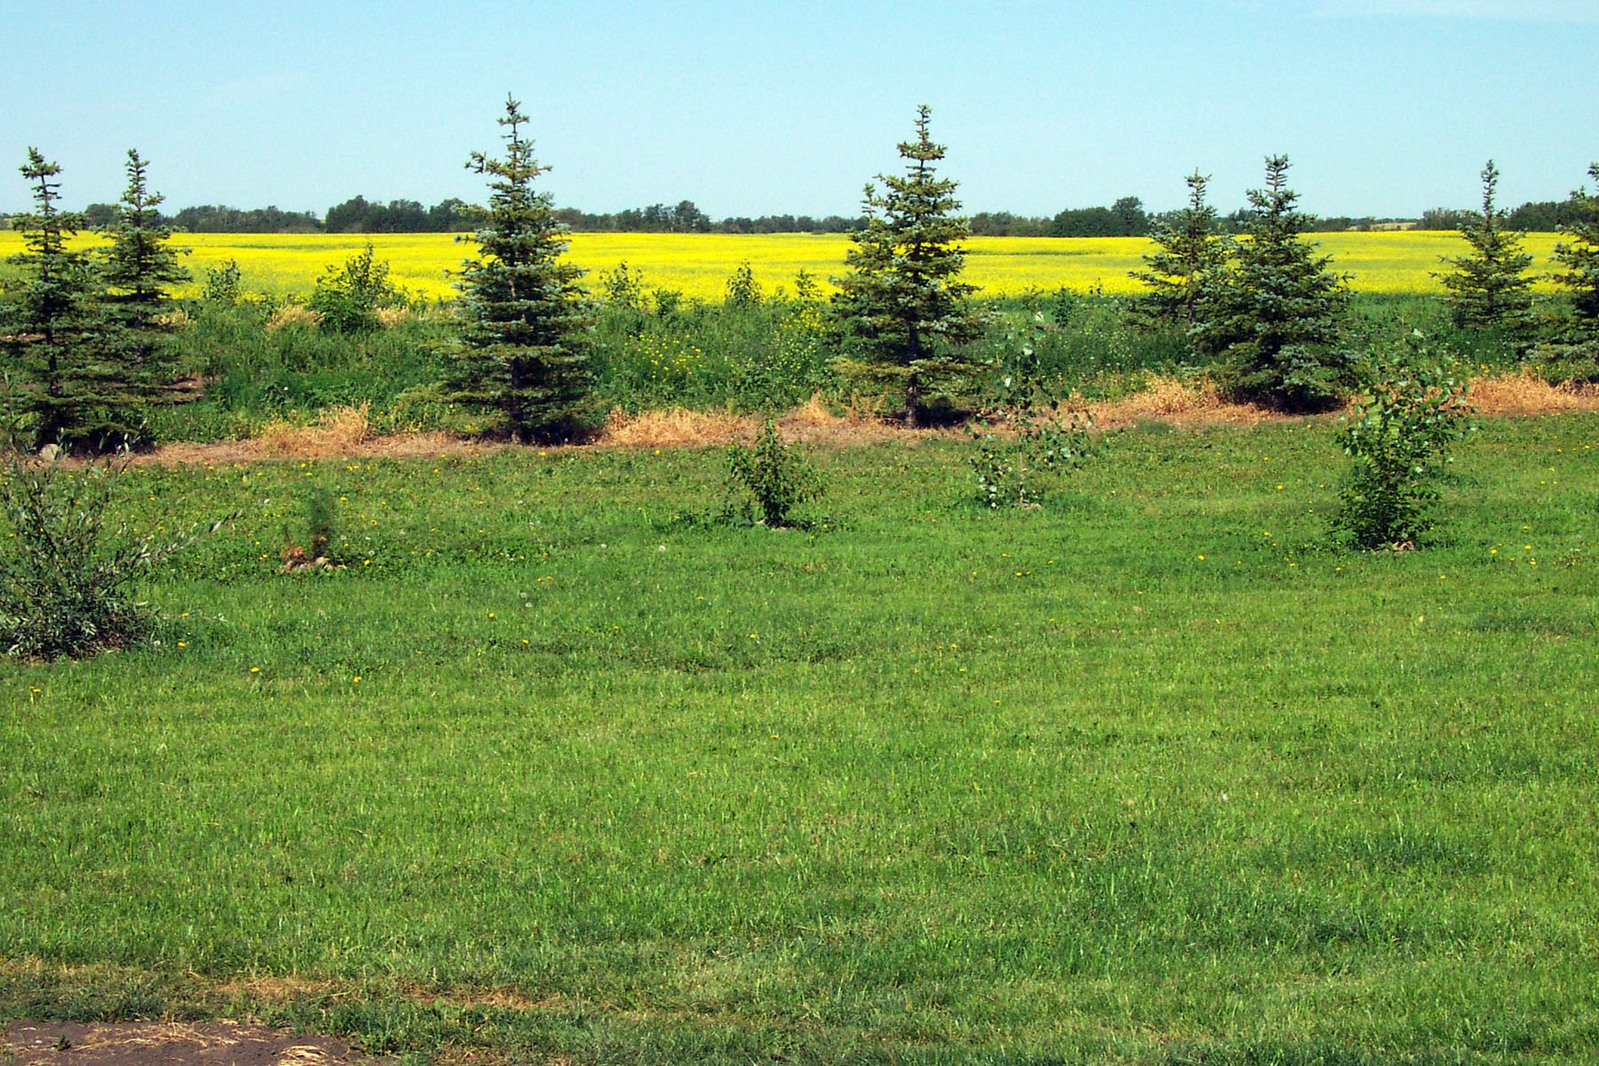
[[1578, 253], [1190, 256], [1489, 287], [902, 305], [140, 267], [523, 349], [58, 354], [1276, 326]]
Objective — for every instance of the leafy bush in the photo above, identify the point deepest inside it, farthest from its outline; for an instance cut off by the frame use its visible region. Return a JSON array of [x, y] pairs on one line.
[[221, 286], [66, 574], [772, 478], [1024, 432], [349, 297], [1410, 413]]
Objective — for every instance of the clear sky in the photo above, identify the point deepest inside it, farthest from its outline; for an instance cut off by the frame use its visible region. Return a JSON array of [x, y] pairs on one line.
[[1386, 107]]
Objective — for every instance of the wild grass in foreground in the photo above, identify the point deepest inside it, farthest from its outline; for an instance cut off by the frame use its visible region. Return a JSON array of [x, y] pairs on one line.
[[1148, 774]]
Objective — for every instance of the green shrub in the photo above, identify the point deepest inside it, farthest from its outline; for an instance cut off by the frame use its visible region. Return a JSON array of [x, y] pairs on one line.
[[1025, 432], [349, 296], [1409, 413], [221, 286], [768, 481], [67, 575]]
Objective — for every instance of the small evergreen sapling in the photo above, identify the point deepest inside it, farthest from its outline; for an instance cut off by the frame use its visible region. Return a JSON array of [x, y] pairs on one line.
[[1190, 256], [523, 351], [1578, 255], [1489, 287], [1276, 321], [55, 333], [139, 271], [902, 305]]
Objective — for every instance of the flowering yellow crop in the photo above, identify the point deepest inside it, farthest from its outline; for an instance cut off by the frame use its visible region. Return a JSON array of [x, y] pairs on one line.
[[699, 264]]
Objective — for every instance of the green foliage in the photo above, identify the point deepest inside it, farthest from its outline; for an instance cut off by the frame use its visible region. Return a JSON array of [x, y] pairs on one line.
[[768, 481], [806, 288], [623, 287], [57, 339], [1026, 431], [1277, 310], [1578, 255], [742, 288], [523, 352], [766, 356], [1489, 287], [1411, 412], [1182, 272], [222, 285], [67, 575], [903, 308], [349, 296], [140, 266], [139, 270]]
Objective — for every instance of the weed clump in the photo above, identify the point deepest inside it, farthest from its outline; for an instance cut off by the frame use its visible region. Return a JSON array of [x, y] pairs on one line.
[[768, 480], [67, 573]]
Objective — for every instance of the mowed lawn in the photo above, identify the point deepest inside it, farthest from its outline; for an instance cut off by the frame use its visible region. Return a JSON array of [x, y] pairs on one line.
[[1150, 774], [698, 265]]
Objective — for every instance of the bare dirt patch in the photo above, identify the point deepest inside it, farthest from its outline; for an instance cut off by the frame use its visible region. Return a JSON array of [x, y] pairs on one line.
[[218, 1043]]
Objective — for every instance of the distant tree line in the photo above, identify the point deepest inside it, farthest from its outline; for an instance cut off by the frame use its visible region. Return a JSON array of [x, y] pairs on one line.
[[1535, 216], [1126, 217]]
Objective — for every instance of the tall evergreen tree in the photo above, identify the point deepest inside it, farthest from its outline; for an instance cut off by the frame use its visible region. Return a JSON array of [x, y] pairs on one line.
[[1578, 253], [1276, 325], [524, 349], [140, 267], [1489, 287], [903, 305], [55, 337], [1190, 256]]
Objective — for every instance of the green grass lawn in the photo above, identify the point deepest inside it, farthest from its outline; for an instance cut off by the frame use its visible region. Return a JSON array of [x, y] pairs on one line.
[[1151, 774]]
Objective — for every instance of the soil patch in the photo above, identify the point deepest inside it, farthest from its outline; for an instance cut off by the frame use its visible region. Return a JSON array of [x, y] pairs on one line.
[[218, 1043]]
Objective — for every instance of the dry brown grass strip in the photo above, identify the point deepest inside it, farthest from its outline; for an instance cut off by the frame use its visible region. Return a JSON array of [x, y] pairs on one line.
[[1523, 392], [675, 427], [338, 431], [1166, 399]]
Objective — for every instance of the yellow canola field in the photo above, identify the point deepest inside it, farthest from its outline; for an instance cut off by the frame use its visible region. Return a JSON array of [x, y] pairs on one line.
[[698, 264]]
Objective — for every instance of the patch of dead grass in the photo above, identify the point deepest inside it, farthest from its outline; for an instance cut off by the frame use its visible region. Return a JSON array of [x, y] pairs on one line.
[[1523, 392], [292, 315], [337, 431], [1166, 399], [675, 427]]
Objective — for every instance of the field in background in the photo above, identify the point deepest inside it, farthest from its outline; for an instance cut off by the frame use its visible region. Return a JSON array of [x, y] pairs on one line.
[[698, 265]]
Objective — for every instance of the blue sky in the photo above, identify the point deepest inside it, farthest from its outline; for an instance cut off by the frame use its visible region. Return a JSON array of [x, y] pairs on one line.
[[1386, 107]]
